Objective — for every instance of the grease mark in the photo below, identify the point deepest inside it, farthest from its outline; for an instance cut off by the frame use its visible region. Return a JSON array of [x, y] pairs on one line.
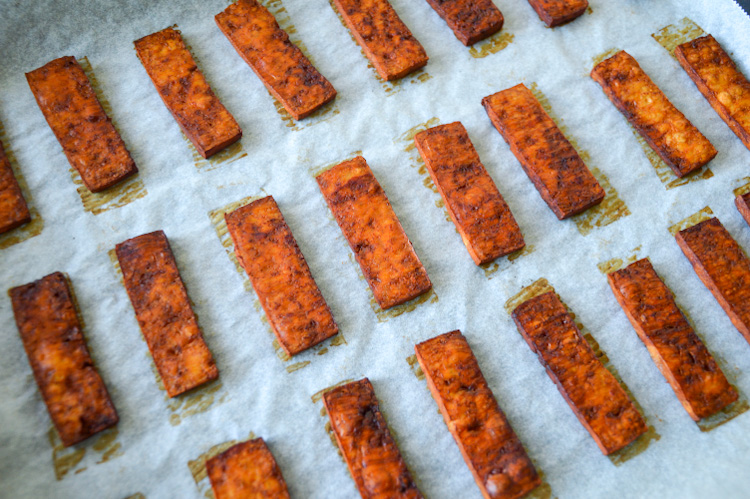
[[501, 264], [406, 142], [695, 218], [664, 172], [228, 155], [197, 466], [384, 315], [603, 56], [137, 495], [317, 170], [536, 288], [672, 35], [611, 209], [636, 447], [196, 401], [492, 45], [544, 490], [736, 408], [297, 366], [317, 397], [416, 369], [320, 115], [67, 459], [615, 264], [742, 189]]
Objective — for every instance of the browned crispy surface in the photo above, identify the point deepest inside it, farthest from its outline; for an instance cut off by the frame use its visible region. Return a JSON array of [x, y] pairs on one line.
[[163, 310], [76, 397], [490, 447], [470, 20], [677, 351], [719, 80], [547, 157], [246, 471], [371, 454], [281, 66], [379, 243], [669, 133], [85, 132], [186, 93], [480, 213], [597, 399], [13, 209], [557, 12], [386, 40], [722, 266], [265, 246], [742, 202]]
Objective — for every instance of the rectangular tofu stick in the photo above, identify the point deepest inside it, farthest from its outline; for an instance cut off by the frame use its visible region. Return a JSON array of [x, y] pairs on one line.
[[386, 40], [47, 320], [742, 202], [163, 310], [592, 392], [470, 20], [720, 82], [480, 213], [13, 209], [547, 157], [680, 355], [371, 454], [669, 133], [722, 266], [375, 235], [490, 447], [281, 66], [247, 469], [186, 93], [557, 12], [87, 136], [264, 244]]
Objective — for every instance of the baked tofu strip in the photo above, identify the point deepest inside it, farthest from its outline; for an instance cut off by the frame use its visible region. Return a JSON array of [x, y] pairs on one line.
[[742, 202], [186, 93], [677, 351], [163, 310], [87, 136], [386, 40], [379, 243], [669, 133], [265, 246], [470, 20], [281, 66], [720, 82], [593, 393], [547, 157], [47, 321], [480, 213], [490, 447], [372, 456], [246, 470], [722, 266], [13, 209], [557, 12]]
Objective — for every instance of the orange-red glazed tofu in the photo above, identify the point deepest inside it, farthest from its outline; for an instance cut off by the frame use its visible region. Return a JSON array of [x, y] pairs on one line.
[[479, 212], [742, 202], [379, 243], [281, 66], [13, 209], [470, 20], [87, 136], [557, 12], [719, 80], [186, 93], [722, 266], [547, 157], [490, 447], [593, 393], [264, 244], [677, 351], [246, 471], [669, 133], [386, 40], [164, 314], [47, 321], [371, 454]]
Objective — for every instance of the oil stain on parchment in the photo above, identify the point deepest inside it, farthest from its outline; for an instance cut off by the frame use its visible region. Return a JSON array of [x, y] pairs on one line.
[[544, 490], [224, 157], [317, 397], [736, 408], [696, 218], [683, 31], [536, 288], [615, 264], [105, 447], [137, 495], [664, 172], [491, 45], [415, 367], [604, 56], [744, 187], [197, 466], [492, 268], [317, 170]]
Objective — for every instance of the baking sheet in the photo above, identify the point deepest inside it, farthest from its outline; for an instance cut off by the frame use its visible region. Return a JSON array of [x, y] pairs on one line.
[[158, 447]]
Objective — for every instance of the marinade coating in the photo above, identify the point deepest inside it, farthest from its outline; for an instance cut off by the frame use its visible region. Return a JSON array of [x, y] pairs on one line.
[[246, 470], [677, 351], [470, 20], [76, 397], [478, 210], [547, 157], [186, 93], [386, 40], [557, 12], [720, 82], [723, 268], [264, 245], [490, 447], [669, 133], [87, 136], [13, 209], [371, 454], [742, 202], [593, 393], [163, 310], [375, 235]]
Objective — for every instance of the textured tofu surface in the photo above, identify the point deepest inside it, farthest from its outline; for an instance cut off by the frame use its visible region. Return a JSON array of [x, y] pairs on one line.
[[557, 12], [13, 209], [247, 470], [470, 20], [742, 202]]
